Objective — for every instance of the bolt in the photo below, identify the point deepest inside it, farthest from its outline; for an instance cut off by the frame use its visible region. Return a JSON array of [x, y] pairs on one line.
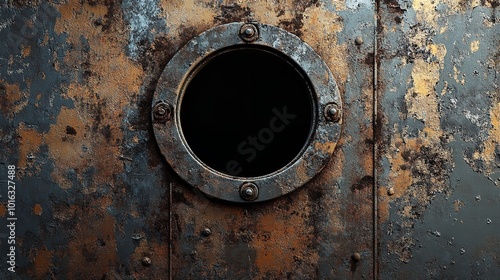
[[332, 112], [162, 112], [356, 257], [358, 40], [249, 191], [146, 261], [391, 191], [249, 32], [206, 232]]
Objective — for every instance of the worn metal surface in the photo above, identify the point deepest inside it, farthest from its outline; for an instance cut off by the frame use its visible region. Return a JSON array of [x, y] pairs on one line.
[[95, 199], [439, 146], [223, 184], [314, 231]]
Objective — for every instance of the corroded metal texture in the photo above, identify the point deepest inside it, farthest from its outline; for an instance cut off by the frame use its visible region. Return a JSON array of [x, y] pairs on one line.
[[94, 198], [171, 86], [314, 231], [439, 147]]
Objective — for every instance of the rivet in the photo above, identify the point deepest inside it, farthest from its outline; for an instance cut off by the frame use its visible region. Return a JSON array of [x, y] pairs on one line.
[[356, 257], [391, 191], [332, 112], [206, 232], [249, 32], [358, 40], [249, 191], [146, 261], [162, 112]]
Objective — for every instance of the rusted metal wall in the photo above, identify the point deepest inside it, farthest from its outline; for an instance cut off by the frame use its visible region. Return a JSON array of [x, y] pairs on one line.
[[438, 147], [96, 200]]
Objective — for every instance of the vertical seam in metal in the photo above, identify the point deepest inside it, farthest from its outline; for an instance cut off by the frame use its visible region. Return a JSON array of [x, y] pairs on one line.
[[375, 140]]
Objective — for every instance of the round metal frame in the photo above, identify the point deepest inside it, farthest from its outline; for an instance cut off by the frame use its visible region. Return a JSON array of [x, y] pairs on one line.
[[177, 74]]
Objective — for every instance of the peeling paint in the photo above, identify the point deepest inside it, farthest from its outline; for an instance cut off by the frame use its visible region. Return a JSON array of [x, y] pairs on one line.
[[95, 197]]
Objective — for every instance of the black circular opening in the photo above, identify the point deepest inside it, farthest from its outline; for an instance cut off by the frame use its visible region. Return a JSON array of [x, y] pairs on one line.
[[247, 112]]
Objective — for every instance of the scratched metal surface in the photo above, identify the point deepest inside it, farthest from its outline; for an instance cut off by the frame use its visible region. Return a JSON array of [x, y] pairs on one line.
[[439, 144], [96, 200], [314, 231]]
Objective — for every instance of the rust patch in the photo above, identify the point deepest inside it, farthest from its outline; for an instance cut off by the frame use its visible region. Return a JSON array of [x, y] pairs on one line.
[[26, 51], [3, 210], [320, 29], [42, 263], [233, 13], [92, 251], [489, 151], [67, 150], [29, 144], [282, 241], [157, 253], [13, 100], [201, 17], [37, 209], [90, 135]]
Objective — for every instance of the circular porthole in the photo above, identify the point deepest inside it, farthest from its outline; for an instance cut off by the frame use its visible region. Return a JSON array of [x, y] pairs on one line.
[[246, 112]]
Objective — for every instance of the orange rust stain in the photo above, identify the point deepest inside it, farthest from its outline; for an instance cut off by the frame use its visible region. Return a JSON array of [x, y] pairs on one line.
[[11, 98], [97, 10], [488, 154], [320, 32], [383, 205], [324, 147], [29, 143], [201, 17], [280, 238], [272, 12], [26, 51], [94, 239], [400, 176], [67, 149], [37, 209], [100, 103], [3, 210], [43, 261], [158, 254]]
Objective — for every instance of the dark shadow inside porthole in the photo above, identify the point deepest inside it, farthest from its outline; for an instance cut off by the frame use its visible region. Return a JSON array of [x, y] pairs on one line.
[[247, 111]]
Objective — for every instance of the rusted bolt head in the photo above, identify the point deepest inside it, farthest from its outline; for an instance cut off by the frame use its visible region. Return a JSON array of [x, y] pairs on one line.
[[162, 112], [332, 112], [249, 32], [249, 191], [391, 191], [356, 257], [146, 261], [206, 232], [358, 40]]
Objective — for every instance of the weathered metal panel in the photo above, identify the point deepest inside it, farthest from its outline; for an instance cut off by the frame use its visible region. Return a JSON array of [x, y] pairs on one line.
[[439, 147], [94, 197], [314, 231], [91, 197]]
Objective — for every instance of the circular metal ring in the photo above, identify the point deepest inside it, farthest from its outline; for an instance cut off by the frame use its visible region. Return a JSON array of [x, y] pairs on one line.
[[184, 65]]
